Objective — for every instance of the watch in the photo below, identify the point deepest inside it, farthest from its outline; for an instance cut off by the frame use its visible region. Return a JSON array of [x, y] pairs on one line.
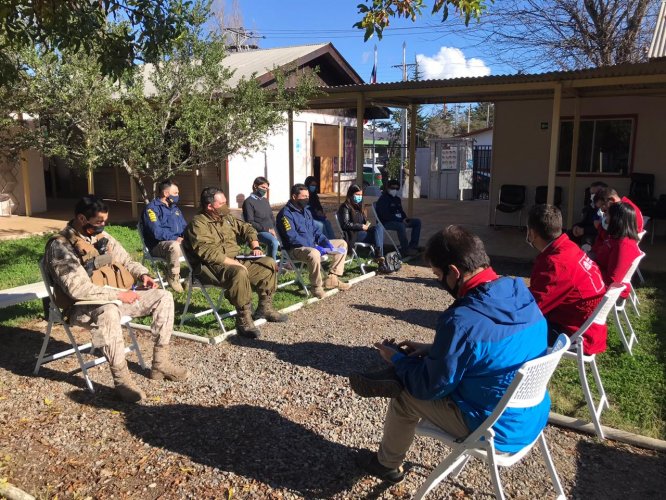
[[256, 248]]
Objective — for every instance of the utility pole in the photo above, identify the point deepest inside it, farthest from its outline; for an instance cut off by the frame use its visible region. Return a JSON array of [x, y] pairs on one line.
[[403, 135], [469, 115]]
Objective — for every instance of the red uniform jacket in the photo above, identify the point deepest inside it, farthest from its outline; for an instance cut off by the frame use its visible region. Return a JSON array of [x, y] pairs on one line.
[[567, 286], [615, 257], [602, 235]]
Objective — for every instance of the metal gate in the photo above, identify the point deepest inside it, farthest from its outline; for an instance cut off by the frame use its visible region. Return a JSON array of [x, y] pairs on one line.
[[481, 159]]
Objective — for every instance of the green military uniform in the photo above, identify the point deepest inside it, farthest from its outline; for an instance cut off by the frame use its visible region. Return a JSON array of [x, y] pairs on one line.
[[208, 241]]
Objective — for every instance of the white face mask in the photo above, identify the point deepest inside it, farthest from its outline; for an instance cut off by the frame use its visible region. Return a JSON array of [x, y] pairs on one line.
[[604, 222], [393, 192]]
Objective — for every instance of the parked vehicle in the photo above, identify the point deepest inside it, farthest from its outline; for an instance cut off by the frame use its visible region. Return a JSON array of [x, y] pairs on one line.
[[372, 176]]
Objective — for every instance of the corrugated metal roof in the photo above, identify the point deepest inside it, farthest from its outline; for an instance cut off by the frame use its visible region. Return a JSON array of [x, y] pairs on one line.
[[658, 46]]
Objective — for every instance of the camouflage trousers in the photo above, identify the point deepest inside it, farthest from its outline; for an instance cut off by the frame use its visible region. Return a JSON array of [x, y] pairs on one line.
[[171, 252], [104, 321]]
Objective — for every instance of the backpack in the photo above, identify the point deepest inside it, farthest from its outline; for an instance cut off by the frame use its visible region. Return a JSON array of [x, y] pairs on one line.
[[392, 263]]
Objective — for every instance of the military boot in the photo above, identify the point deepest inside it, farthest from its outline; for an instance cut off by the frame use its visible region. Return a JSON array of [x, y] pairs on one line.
[[174, 282], [266, 310], [332, 281], [126, 389], [163, 368], [245, 326]]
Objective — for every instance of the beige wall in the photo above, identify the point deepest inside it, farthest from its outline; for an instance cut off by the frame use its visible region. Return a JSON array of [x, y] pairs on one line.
[[521, 148]]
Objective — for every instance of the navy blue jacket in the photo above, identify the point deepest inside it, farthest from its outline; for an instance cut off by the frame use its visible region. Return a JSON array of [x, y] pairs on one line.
[[162, 223], [297, 228], [480, 341], [389, 209]]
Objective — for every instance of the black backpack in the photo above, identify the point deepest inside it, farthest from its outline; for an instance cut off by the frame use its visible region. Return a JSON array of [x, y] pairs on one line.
[[392, 263]]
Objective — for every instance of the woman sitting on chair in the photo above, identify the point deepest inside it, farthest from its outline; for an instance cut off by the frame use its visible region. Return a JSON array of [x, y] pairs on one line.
[[620, 249], [355, 225], [317, 209]]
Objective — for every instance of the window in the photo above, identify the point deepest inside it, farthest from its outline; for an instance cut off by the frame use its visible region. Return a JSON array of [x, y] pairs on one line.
[[604, 145]]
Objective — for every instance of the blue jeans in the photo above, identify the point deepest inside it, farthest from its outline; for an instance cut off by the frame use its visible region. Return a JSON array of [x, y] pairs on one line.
[[326, 228], [271, 243], [375, 237], [401, 228]]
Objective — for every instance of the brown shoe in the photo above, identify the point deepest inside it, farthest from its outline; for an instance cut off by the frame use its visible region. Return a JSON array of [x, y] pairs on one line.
[[381, 384], [126, 389], [266, 310], [319, 293], [333, 282], [163, 368], [174, 282], [245, 326]]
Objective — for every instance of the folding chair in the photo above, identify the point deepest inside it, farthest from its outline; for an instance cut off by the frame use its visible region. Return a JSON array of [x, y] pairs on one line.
[[641, 235], [352, 248], [597, 317], [153, 261], [527, 389], [286, 262], [620, 307], [387, 233], [55, 316]]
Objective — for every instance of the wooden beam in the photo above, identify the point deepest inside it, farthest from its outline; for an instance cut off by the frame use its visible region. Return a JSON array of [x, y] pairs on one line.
[[340, 151], [116, 180], [25, 175], [412, 159], [90, 178], [360, 114], [574, 163], [195, 185], [554, 142], [292, 175], [133, 199]]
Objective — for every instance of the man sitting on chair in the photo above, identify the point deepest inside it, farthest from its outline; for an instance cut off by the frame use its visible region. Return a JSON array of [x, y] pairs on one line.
[[163, 226], [86, 263], [565, 282], [493, 327], [211, 242], [305, 242], [394, 218]]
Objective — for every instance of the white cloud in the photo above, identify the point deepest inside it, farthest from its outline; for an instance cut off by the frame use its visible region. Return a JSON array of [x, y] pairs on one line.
[[450, 62]]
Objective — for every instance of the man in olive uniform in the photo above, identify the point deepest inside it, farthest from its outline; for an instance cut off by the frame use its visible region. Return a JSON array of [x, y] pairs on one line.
[[212, 243], [86, 263]]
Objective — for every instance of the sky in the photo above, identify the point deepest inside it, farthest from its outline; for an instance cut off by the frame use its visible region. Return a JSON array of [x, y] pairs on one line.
[[441, 54]]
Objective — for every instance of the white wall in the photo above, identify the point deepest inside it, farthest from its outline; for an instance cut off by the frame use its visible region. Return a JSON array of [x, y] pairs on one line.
[[484, 138], [521, 148]]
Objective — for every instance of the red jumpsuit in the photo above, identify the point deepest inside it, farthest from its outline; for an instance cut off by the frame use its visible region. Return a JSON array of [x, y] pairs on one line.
[[567, 286], [614, 258], [639, 214]]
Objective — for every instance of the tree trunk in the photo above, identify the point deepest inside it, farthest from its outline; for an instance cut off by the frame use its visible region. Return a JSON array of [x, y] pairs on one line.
[[135, 175]]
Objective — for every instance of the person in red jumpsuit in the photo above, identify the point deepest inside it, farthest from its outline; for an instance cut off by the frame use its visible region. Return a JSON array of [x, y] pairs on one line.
[[610, 197], [567, 285]]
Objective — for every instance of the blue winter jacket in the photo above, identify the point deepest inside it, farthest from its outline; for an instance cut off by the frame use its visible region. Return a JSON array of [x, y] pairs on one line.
[[480, 341], [389, 209], [162, 223], [297, 228]]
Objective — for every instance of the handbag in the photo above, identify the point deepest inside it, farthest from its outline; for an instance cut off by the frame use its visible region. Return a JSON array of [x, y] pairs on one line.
[[392, 262]]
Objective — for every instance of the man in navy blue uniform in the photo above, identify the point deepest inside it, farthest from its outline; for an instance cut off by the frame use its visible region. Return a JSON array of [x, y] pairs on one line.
[[491, 329], [163, 227], [305, 242], [394, 218]]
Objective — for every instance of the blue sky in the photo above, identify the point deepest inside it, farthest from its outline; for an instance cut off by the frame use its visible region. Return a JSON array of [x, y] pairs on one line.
[[441, 52]]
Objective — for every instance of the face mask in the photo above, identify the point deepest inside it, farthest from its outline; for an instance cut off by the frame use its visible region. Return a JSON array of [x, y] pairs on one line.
[[393, 192], [302, 203], [91, 230], [174, 199], [527, 239], [223, 210], [261, 192], [604, 222], [312, 189], [453, 291], [358, 198]]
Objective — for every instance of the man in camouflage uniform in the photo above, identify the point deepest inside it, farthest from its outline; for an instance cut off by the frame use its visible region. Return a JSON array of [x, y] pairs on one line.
[[211, 243], [86, 263]]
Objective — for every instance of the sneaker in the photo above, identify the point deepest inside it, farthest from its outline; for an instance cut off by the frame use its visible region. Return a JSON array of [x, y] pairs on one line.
[[368, 461], [381, 384]]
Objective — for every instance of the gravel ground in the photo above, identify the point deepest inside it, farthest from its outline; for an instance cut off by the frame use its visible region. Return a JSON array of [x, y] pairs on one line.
[[272, 418]]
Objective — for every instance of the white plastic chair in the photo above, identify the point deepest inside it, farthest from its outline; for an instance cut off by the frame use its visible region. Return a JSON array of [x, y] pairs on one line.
[[153, 261], [352, 248], [56, 316], [641, 235], [620, 310], [597, 317], [527, 389], [387, 233]]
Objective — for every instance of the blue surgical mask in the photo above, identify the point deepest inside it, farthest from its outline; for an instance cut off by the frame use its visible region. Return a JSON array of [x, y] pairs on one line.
[[312, 189], [174, 199], [393, 192], [358, 198]]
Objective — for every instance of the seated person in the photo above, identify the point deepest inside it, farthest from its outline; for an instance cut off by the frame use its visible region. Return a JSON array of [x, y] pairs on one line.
[[163, 226], [585, 231], [305, 242], [566, 284], [610, 196], [258, 213], [620, 249], [394, 218], [86, 263], [493, 326], [317, 210], [356, 226], [212, 243]]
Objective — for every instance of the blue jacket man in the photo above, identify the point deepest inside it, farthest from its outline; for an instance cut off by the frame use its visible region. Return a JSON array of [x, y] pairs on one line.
[[491, 329], [394, 218], [306, 243], [163, 227]]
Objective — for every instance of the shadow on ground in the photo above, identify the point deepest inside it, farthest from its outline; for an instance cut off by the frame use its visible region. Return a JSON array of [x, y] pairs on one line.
[[420, 317], [247, 440]]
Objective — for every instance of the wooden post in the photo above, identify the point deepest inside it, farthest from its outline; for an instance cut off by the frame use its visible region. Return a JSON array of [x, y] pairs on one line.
[[195, 185], [116, 179], [412, 158], [360, 115], [554, 142], [574, 162], [340, 149], [133, 198], [292, 175], [90, 177], [25, 175]]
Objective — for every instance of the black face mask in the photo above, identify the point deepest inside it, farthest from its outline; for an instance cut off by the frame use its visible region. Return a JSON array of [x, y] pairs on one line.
[[91, 230], [302, 203], [453, 291]]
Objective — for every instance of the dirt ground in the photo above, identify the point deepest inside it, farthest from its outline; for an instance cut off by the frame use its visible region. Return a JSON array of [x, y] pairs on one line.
[[271, 418]]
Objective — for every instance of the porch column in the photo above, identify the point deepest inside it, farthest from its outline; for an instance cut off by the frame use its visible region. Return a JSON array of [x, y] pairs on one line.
[[554, 142], [360, 113], [25, 177], [574, 162], [133, 199], [412, 158], [291, 149], [195, 185], [340, 144], [90, 178]]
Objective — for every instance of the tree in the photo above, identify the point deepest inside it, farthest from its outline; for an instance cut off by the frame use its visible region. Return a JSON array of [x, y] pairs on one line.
[[148, 29], [378, 14]]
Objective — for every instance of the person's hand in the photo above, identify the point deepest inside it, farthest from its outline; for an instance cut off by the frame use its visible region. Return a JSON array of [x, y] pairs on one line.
[[148, 282], [321, 250], [415, 348], [257, 252], [330, 246], [577, 231], [179, 239], [366, 226], [272, 231], [386, 351], [597, 224], [128, 297]]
